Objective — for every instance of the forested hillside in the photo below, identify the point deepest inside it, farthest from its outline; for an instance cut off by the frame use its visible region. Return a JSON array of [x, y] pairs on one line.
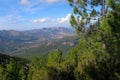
[[95, 57], [12, 68]]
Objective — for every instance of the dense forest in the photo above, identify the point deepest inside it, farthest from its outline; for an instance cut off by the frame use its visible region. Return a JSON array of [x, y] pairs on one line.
[[95, 57]]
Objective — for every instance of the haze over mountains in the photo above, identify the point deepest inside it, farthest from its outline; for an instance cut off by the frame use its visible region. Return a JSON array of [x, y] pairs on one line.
[[12, 41]]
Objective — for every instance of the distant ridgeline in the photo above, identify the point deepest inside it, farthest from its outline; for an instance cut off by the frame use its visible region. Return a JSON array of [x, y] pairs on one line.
[[12, 41]]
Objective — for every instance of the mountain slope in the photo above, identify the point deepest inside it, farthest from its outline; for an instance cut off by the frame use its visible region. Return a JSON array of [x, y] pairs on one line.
[[12, 41], [39, 50]]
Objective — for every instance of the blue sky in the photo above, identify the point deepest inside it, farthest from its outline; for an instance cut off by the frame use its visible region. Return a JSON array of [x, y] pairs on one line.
[[34, 14]]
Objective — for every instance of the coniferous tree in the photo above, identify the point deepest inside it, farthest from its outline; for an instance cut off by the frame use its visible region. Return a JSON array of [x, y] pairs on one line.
[[87, 12], [100, 39]]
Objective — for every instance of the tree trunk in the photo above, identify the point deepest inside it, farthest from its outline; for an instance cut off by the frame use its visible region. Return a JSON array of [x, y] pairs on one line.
[[103, 8]]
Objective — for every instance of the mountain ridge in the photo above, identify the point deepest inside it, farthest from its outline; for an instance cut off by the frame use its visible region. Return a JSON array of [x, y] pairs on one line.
[[12, 41]]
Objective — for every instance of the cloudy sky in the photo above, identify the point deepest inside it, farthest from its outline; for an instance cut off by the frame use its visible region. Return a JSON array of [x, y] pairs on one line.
[[34, 14]]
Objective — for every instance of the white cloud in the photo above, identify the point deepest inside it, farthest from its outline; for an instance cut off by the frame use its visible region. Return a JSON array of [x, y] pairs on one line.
[[64, 19], [24, 2], [42, 20]]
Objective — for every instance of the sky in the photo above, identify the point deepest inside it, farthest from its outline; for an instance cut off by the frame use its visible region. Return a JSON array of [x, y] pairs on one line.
[[34, 14]]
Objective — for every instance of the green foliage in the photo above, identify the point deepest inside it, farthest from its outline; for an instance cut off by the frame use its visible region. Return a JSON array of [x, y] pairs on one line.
[[14, 71], [73, 21], [57, 56], [37, 70], [84, 12], [1, 73], [22, 73], [105, 28], [12, 68]]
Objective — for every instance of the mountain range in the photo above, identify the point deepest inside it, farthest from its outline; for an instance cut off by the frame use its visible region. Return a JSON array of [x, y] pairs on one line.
[[12, 41]]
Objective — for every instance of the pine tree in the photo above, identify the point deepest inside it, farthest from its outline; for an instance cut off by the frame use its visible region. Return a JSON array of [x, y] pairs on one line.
[[86, 13], [53, 65], [99, 41]]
